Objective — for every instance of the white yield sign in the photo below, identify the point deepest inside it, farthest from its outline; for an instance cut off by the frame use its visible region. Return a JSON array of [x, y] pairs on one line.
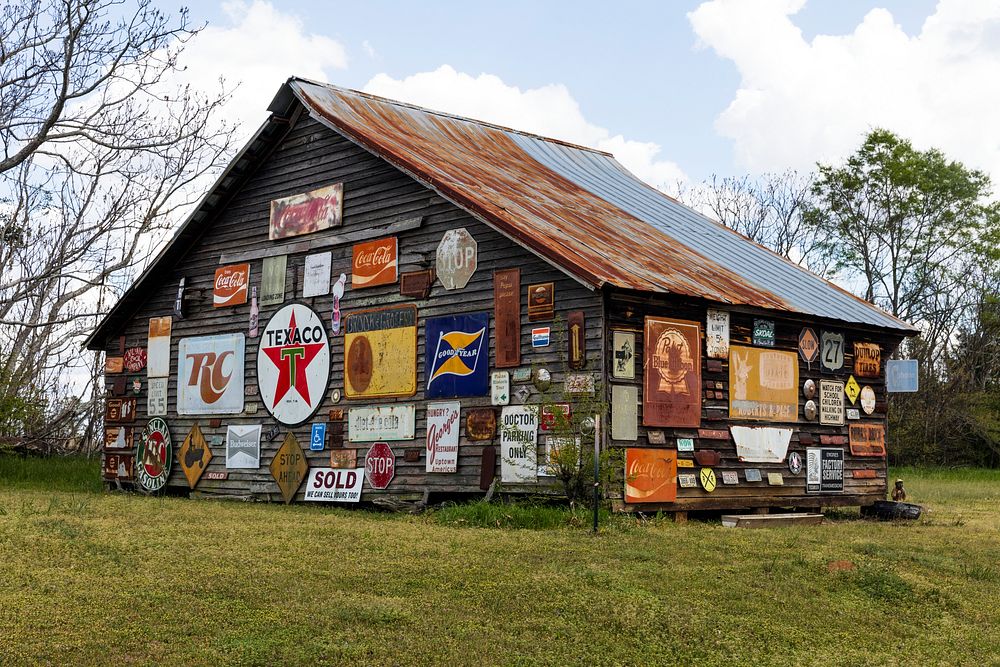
[[457, 256]]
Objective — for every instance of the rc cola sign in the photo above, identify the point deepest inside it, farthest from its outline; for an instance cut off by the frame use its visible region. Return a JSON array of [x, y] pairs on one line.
[[210, 375]]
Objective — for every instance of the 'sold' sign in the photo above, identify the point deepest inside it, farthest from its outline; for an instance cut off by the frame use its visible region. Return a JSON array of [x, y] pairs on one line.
[[331, 485], [717, 334], [380, 357], [153, 455], [158, 346], [831, 403], [457, 258], [763, 384], [541, 301], [289, 467], [458, 355], [374, 263], [867, 360], [232, 283], [507, 316], [519, 444], [867, 439], [442, 436], [672, 395], [194, 456], [381, 422], [210, 375], [831, 351], [293, 364], [307, 212], [650, 475], [380, 465], [808, 345]]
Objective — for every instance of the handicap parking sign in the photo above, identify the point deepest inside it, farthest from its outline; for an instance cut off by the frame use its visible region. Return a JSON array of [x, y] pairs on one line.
[[318, 439]]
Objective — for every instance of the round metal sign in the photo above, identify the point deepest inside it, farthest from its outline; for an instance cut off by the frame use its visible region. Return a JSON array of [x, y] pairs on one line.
[[868, 400], [153, 455], [293, 364], [380, 465], [707, 478], [795, 463], [810, 410], [457, 257]]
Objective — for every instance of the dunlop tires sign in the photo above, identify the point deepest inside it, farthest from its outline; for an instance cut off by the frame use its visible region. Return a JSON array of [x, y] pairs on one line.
[[380, 357]]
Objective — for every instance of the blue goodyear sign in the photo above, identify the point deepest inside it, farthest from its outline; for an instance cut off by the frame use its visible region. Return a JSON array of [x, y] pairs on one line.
[[458, 351]]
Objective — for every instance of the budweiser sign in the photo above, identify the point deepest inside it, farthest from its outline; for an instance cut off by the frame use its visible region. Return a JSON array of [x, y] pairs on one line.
[[231, 285], [374, 263]]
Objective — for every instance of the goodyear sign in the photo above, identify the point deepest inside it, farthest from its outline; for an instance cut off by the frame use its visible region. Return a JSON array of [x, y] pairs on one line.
[[458, 356], [380, 356]]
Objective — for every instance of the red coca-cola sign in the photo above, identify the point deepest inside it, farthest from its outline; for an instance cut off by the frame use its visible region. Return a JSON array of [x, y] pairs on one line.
[[231, 285], [374, 263], [380, 465]]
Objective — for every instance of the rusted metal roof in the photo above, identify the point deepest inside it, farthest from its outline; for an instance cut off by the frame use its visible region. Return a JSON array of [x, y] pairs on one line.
[[580, 209]]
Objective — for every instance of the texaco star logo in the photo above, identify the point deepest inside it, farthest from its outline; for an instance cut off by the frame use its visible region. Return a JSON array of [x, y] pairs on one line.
[[293, 364]]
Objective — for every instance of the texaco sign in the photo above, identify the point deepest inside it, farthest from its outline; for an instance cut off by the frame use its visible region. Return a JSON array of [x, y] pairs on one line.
[[153, 455], [293, 364]]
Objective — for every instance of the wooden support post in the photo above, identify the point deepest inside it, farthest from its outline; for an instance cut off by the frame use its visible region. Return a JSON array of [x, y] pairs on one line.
[[762, 510], [680, 517]]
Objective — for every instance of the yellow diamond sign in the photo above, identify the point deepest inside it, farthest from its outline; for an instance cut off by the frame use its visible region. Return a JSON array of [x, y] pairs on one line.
[[194, 456], [852, 389], [289, 467]]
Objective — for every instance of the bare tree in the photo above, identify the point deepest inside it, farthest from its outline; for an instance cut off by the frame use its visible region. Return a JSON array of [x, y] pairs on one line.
[[102, 150]]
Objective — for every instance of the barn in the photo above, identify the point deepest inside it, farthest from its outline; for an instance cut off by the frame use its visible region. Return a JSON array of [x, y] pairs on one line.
[[377, 300]]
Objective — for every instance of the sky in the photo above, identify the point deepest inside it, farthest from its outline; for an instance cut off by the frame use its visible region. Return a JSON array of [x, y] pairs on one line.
[[677, 90]]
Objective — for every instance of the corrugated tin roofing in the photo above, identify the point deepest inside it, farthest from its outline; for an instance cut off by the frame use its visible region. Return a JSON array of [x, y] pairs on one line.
[[580, 209]]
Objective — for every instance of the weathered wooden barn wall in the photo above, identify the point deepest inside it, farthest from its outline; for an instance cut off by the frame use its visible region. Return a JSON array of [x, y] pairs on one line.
[[377, 199], [626, 312]]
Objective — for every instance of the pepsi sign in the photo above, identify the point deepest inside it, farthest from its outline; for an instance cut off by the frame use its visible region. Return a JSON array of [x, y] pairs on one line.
[[458, 356]]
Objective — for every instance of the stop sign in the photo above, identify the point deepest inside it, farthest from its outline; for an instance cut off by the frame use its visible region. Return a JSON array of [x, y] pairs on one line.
[[380, 465], [457, 257]]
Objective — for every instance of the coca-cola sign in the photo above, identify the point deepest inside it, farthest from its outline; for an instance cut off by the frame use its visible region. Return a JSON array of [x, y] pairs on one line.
[[374, 263], [307, 212], [231, 285]]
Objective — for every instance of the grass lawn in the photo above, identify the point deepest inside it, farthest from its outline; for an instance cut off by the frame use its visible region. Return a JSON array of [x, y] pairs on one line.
[[87, 577]]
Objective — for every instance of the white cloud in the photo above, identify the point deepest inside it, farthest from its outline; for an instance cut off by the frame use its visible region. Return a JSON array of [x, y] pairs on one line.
[[259, 49], [549, 111], [801, 101], [369, 49]]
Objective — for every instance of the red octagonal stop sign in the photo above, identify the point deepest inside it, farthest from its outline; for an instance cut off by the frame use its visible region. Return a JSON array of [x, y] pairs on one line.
[[380, 465]]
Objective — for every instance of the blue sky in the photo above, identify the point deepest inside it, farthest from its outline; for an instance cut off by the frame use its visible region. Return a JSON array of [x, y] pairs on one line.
[[641, 70]]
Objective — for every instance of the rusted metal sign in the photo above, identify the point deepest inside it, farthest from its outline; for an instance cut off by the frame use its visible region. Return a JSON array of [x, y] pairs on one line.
[[316, 274], [625, 413], [831, 403], [154, 455], [763, 333], [380, 465], [717, 334], [868, 400], [119, 410], [577, 340], [289, 467], [623, 355], [500, 388], [134, 359], [381, 422], [457, 258], [118, 437], [867, 360], [763, 384], [194, 456], [210, 375], [243, 446], [232, 285], [808, 345], [480, 424], [707, 478], [113, 365], [381, 352], [374, 263], [650, 475], [579, 383], [519, 444], [541, 301], [901, 375], [507, 316], [852, 389], [867, 439], [443, 423], [824, 470], [158, 347], [761, 444], [831, 351], [293, 364], [331, 485], [272, 281], [707, 457], [672, 383], [306, 212], [416, 284], [344, 458]]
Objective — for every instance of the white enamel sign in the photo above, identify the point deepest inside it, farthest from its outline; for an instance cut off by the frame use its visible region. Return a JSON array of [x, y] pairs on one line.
[[831, 403], [717, 334], [243, 446], [316, 277], [381, 422], [293, 364], [443, 424], [500, 388], [156, 399], [210, 375], [624, 412], [334, 485], [761, 444], [519, 444]]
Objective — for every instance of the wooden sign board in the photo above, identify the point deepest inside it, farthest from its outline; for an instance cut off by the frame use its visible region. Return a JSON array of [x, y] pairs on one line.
[[867, 360], [577, 340], [623, 355], [306, 212], [416, 284], [289, 467], [381, 352], [867, 439], [763, 384], [672, 382], [194, 456], [650, 475], [831, 403], [480, 424], [717, 334], [374, 263], [541, 301]]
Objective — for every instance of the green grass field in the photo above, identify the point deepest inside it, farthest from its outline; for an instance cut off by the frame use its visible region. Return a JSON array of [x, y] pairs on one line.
[[91, 578]]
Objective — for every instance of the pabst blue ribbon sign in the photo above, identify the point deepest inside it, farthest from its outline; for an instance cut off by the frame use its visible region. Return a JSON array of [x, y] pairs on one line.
[[210, 375], [457, 356], [293, 364]]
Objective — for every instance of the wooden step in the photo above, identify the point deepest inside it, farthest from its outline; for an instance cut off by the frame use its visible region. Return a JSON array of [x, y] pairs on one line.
[[771, 520]]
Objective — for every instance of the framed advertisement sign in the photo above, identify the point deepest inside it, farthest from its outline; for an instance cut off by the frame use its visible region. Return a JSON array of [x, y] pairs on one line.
[[232, 284], [763, 384], [650, 475], [374, 263], [210, 375], [243, 446], [457, 361], [293, 364], [307, 212], [380, 358], [672, 371], [443, 425]]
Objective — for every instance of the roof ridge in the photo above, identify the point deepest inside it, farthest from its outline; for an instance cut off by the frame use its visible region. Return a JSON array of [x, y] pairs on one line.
[[445, 114]]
